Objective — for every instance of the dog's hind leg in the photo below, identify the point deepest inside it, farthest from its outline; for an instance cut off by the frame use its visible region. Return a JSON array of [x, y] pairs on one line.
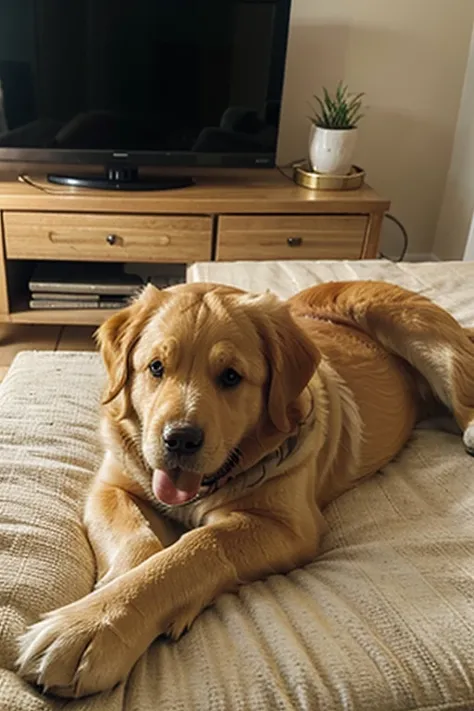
[[432, 341], [417, 330]]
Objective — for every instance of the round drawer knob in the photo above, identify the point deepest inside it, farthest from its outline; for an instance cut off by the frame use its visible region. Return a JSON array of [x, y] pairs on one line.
[[295, 241], [111, 239]]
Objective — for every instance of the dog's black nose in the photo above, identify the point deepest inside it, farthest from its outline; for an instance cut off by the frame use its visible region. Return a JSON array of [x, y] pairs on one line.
[[183, 439]]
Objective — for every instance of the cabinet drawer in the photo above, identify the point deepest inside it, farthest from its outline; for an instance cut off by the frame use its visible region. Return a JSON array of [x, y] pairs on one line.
[[291, 237], [113, 238]]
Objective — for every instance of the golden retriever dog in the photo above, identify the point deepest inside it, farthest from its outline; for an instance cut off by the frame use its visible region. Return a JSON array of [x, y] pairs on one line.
[[240, 417]]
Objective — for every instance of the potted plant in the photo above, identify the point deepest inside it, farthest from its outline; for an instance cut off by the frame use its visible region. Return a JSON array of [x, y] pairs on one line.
[[333, 132]]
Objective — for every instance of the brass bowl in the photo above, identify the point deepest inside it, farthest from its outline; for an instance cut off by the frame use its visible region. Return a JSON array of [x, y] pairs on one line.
[[307, 178]]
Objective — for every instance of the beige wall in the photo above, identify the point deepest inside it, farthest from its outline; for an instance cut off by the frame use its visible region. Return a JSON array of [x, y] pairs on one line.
[[409, 56], [458, 203]]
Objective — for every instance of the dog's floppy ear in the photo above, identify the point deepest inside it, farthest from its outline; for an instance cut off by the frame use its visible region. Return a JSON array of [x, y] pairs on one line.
[[292, 358], [118, 335]]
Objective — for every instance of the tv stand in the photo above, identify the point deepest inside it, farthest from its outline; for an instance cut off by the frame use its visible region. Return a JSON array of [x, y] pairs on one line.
[[122, 178], [261, 216]]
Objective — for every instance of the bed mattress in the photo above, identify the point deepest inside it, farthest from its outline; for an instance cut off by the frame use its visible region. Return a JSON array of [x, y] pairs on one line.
[[382, 620]]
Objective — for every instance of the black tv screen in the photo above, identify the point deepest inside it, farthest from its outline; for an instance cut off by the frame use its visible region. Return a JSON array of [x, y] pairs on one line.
[[166, 82]]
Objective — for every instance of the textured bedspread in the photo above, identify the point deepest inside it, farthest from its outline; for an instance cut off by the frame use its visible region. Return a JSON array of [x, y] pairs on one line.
[[382, 621]]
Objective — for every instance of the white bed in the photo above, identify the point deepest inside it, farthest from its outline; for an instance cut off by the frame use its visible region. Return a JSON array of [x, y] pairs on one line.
[[382, 621]]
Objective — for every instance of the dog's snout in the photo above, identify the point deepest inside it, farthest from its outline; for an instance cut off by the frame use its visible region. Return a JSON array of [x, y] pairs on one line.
[[183, 439]]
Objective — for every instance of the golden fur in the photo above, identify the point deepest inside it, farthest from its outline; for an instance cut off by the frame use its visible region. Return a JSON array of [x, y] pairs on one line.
[[342, 371]]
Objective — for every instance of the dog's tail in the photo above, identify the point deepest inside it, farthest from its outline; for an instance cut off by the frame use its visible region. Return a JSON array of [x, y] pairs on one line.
[[411, 327]]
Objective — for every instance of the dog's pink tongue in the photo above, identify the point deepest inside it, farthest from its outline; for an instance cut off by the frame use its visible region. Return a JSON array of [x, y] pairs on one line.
[[184, 490]]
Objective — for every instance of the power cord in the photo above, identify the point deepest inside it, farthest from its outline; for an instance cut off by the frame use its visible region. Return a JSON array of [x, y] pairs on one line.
[[27, 180], [404, 237], [281, 169]]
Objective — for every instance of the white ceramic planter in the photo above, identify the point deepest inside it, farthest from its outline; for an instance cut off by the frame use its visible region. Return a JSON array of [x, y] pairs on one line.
[[331, 150]]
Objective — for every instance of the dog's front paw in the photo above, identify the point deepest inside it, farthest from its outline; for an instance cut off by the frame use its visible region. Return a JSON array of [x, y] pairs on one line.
[[83, 648]]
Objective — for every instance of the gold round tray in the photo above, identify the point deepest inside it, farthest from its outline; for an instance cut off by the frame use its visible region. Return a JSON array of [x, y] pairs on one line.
[[304, 176]]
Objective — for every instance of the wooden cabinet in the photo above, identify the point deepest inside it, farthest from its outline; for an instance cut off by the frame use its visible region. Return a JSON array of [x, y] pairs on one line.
[[257, 217]]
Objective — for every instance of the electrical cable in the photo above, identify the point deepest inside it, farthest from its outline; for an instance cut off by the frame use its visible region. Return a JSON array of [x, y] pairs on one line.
[[24, 178], [281, 168], [404, 237]]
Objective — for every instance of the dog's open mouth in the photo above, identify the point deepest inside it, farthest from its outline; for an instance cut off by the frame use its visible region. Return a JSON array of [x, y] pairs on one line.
[[179, 486]]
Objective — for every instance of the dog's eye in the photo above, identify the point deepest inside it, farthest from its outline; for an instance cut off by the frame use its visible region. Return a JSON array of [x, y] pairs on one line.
[[156, 368], [229, 378]]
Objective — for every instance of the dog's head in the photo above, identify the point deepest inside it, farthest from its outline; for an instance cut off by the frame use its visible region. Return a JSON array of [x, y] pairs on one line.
[[208, 373]]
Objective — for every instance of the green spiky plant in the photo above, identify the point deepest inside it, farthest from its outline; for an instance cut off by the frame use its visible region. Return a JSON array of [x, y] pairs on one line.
[[339, 112]]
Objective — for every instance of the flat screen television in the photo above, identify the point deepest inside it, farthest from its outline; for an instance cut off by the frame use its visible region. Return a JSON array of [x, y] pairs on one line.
[[130, 83]]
